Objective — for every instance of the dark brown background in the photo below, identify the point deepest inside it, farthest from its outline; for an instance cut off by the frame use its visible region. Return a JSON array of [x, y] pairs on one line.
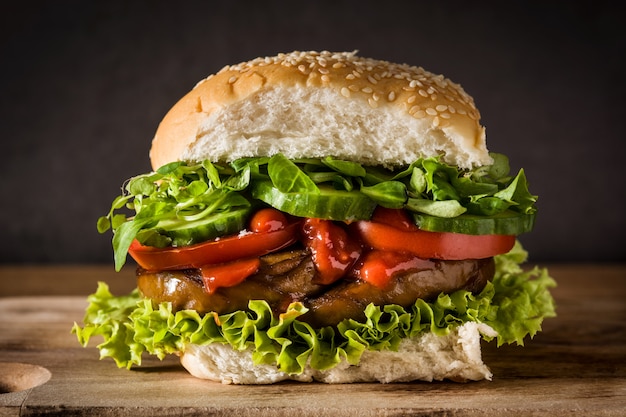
[[84, 84]]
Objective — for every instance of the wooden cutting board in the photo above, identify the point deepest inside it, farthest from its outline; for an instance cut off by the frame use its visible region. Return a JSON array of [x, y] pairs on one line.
[[577, 365]]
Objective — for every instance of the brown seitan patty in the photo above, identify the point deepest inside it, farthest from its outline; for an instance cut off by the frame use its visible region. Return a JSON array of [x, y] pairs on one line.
[[289, 276]]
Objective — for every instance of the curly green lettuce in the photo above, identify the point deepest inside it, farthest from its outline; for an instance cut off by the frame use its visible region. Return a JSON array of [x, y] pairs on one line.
[[514, 304]]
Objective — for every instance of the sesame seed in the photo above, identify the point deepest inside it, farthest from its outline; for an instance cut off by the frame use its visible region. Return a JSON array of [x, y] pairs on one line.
[[325, 78], [345, 92], [371, 79], [436, 121], [419, 114], [373, 103], [411, 99], [375, 96], [353, 87], [323, 70], [430, 111], [441, 107], [423, 93], [232, 80], [413, 109], [367, 90], [445, 115], [391, 96]]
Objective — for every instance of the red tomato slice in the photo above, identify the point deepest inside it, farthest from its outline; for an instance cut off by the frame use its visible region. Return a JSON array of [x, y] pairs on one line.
[[267, 220], [216, 251], [229, 274], [392, 234], [394, 217]]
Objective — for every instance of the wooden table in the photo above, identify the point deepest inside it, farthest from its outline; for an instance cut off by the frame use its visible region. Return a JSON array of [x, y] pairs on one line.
[[577, 365]]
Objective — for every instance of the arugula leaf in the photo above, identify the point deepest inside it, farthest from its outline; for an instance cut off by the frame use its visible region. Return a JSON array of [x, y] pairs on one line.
[[239, 181], [517, 194], [500, 167], [288, 178], [446, 208], [348, 168], [487, 206], [212, 173], [390, 194], [142, 185], [321, 177], [342, 183], [170, 167], [467, 187], [418, 182]]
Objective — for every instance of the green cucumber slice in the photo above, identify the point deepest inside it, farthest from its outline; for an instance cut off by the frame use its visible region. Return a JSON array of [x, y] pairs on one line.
[[507, 222], [329, 204], [185, 233]]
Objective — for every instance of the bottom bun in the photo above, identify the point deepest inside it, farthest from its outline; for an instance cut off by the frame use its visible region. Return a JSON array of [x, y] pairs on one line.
[[456, 357]]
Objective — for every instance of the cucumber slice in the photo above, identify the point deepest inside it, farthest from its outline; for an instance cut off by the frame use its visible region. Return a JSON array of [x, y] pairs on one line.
[[329, 204], [507, 222], [185, 233]]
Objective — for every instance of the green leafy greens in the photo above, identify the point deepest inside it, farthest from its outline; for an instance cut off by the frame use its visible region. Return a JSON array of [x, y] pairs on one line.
[[173, 205], [514, 304]]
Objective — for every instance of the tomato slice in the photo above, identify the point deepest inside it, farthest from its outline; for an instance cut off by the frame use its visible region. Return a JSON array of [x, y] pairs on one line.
[[394, 217], [388, 232], [221, 250], [267, 220], [228, 274]]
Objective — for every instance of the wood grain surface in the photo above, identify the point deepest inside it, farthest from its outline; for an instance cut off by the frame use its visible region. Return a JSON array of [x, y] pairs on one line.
[[576, 366]]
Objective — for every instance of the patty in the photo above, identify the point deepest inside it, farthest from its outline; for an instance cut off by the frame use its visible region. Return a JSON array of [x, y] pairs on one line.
[[289, 276]]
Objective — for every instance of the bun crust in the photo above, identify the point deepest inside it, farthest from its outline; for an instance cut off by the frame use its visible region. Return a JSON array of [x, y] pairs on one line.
[[456, 357], [316, 104]]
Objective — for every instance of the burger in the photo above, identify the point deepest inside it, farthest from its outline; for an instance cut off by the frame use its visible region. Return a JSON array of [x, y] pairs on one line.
[[320, 216]]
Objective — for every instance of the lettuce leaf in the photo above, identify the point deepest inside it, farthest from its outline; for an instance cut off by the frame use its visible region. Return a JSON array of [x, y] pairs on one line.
[[514, 304], [521, 298]]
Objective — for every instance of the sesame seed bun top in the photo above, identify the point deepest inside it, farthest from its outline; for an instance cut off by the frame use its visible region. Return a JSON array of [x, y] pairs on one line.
[[316, 104]]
